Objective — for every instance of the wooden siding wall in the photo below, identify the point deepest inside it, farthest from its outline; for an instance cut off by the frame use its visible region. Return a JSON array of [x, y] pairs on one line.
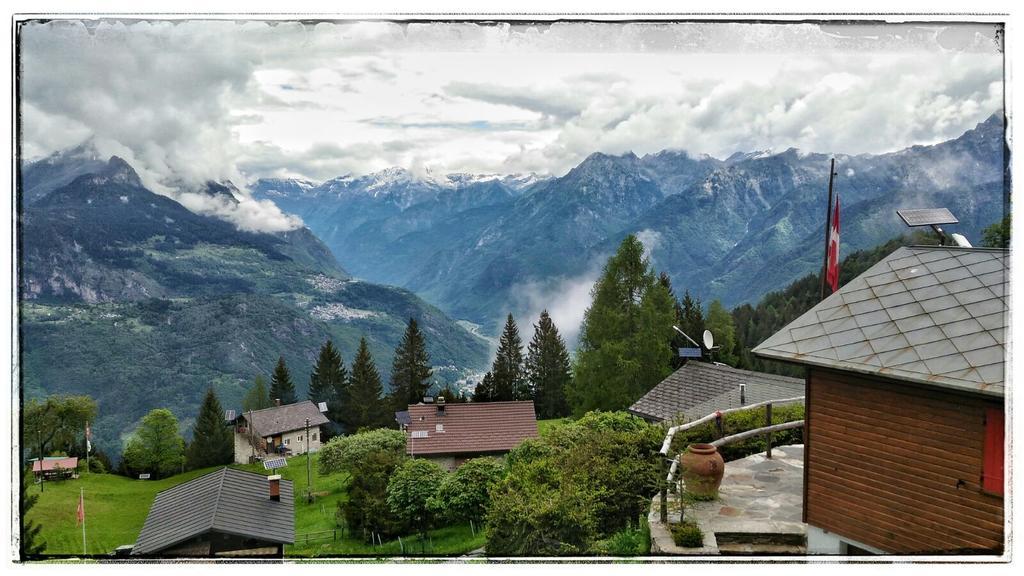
[[898, 467]]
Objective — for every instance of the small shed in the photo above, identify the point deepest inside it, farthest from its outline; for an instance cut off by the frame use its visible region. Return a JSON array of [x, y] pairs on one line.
[[699, 388], [55, 467], [227, 513], [905, 405], [453, 433]]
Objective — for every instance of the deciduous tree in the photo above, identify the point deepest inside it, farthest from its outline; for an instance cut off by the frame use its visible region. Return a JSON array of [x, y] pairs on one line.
[[156, 446]]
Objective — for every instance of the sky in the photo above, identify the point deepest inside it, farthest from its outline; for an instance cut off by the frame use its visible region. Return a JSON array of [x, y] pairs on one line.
[[194, 100]]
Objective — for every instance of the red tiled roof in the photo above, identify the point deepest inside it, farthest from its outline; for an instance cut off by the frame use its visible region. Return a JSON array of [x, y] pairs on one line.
[[473, 427], [49, 464]]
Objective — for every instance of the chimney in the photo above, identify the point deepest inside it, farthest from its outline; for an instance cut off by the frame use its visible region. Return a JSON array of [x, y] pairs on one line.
[[440, 405], [275, 487], [277, 402]]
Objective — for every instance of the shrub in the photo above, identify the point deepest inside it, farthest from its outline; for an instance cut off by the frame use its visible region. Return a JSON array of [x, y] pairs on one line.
[[366, 508], [740, 422], [412, 484], [687, 535], [631, 541], [464, 494], [533, 514], [344, 453], [604, 463]]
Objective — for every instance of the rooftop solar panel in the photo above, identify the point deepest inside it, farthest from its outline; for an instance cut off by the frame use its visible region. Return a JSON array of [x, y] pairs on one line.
[[927, 216]]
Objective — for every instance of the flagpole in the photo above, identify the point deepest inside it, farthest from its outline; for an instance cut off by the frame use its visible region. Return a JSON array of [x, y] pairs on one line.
[[81, 499], [828, 226]]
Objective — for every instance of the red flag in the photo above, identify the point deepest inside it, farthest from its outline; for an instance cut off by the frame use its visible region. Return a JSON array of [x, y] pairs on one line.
[[81, 508], [832, 272]]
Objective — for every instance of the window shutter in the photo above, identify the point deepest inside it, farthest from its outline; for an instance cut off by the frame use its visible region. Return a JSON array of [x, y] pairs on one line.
[[992, 473]]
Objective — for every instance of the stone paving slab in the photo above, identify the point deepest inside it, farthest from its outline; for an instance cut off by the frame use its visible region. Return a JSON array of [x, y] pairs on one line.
[[758, 496]]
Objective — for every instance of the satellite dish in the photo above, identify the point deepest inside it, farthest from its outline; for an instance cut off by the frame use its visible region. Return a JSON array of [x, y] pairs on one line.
[[709, 340]]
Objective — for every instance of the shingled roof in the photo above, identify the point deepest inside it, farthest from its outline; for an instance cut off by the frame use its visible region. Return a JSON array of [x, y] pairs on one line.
[[469, 428], [933, 315], [699, 388], [272, 421], [228, 501]]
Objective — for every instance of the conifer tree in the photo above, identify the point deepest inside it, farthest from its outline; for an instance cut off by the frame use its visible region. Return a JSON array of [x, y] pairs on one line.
[[547, 369], [410, 370], [507, 370], [212, 443], [484, 391], [622, 352], [257, 398], [720, 323], [329, 382], [451, 395], [366, 407], [692, 321], [281, 387], [677, 340]]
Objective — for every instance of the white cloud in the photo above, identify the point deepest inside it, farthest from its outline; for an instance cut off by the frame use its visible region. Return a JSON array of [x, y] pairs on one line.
[[566, 300], [213, 100]]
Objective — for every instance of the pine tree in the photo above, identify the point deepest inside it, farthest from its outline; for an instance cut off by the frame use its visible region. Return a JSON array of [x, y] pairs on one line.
[[366, 407], [720, 323], [281, 387], [677, 340], [212, 443], [692, 321], [410, 370], [509, 379], [329, 382], [484, 391], [622, 352], [257, 398], [547, 369], [451, 395]]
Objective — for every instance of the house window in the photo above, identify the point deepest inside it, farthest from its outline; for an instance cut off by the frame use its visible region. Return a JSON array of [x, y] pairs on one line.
[[439, 428], [286, 441], [992, 471], [314, 436], [300, 438]]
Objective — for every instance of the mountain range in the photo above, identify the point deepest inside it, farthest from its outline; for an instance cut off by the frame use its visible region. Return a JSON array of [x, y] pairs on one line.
[[729, 229], [129, 297]]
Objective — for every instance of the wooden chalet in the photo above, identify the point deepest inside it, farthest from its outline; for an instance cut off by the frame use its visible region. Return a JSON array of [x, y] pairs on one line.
[[905, 405], [224, 514], [453, 433]]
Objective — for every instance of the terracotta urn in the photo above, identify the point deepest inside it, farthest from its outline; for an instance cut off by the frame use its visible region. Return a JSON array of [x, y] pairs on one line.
[[702, 468]]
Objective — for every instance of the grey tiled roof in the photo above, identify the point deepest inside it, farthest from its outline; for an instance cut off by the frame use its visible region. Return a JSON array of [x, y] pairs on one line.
[[271, 421], [699, 388], [929, 314], [228, 500]]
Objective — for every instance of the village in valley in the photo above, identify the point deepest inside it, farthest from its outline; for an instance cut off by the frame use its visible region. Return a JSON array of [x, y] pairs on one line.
[[627, 381]]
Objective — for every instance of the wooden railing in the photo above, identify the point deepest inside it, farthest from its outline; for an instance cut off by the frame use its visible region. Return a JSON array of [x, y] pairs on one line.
[[717, 417]]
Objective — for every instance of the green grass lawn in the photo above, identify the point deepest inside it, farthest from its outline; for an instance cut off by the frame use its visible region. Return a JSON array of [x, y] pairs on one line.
[[116, 507]]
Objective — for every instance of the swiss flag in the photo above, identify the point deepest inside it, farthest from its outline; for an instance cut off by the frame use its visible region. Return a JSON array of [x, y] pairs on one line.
[[832, 272]]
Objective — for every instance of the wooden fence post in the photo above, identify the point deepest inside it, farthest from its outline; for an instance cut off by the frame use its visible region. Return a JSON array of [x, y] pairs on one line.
[[768, 422], [664, 489], [719, 426]]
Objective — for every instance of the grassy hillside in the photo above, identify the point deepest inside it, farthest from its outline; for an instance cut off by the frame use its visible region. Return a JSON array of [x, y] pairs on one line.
[[116, 508]]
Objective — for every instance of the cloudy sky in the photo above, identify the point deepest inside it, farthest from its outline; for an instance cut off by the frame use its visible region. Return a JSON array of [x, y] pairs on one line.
[[189, 101]]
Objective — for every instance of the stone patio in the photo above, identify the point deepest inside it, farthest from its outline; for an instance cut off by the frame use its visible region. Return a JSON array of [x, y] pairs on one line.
[[758, 511]]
